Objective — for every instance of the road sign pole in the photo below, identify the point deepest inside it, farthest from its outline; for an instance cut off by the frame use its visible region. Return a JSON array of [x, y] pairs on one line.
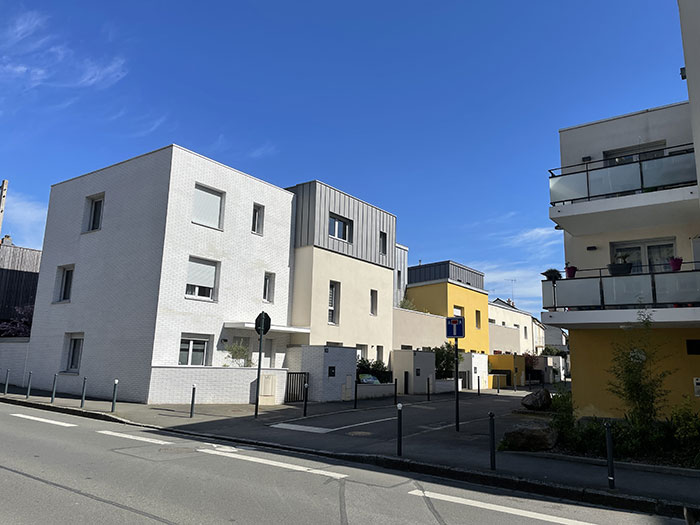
[[257, 383], [456, 385]]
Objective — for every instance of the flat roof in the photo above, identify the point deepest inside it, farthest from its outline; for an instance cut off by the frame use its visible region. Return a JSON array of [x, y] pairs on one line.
[[649, 110]]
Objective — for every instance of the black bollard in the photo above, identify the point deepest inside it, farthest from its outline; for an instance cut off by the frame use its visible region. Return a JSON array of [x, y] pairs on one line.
[[492, 440], [478, 386], [396, 391], [82, 395], [355, 402], [114, 395], [428, 388], [498, 378], [53, 390], [7, 380], [306, 392], [609, 447], [194, 393], [399, 410], [29, 385]]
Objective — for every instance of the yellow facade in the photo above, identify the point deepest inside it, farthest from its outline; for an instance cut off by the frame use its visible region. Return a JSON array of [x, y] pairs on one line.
[[590, 359], [514, 363], [443, 297]]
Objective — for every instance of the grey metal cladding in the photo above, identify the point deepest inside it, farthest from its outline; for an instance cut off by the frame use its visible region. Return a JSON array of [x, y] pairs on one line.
[[402, 266], [446, 270], [316, 200]]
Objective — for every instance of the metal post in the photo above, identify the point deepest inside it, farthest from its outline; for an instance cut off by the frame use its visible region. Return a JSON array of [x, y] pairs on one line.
[[456, 385], [355, 400], [7, 379], [257, 383], [428, 388], [194, 393], [306, 392], [396, 390], [82, 396], [29, 385], [498, 380], [492, 440], [478, 386], [399, 411], [515, 381], [114, 395], [53, 390], [609, 447]]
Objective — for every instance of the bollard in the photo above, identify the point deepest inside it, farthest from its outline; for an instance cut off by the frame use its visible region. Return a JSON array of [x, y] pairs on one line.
[[29, 385], [515, 386], [194, 393], [428, 388], [355, 402], [306, 392], [82, 395], [498, 378], [396, 390], [478, 386], [7, 379], [53, 390], [399, 410], [114, 395], [609, 447], [492, 440]]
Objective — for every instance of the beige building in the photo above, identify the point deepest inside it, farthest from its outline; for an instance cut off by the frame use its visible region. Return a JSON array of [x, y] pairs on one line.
[[417, 330], [513, 331]]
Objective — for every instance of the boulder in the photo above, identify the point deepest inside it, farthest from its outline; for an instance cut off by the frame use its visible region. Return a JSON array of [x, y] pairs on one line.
[[532, 438], [539, 400]]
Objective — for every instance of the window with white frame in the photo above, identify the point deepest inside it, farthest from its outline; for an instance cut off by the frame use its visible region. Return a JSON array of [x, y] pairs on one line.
[[193, 352], [65, 283], [258, 219], [207, 207], [75, 352], [458, 311], [373, 302], [334, 302], [382, 243], [94, 207], [645, 255], [361, 351], [269, 287], [201, 278], [339, 227]]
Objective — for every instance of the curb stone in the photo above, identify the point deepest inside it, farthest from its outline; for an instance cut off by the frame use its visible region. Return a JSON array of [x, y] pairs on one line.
[[612, 499]]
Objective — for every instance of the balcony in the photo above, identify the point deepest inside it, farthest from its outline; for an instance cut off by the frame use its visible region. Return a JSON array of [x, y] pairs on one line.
[[660, 185], [600, 299]]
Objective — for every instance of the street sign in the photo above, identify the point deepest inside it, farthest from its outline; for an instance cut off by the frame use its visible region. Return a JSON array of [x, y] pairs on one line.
[[455, 327], [262, 323]]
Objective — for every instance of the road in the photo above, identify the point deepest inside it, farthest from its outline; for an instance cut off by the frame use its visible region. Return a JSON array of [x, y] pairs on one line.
[[56, 468]]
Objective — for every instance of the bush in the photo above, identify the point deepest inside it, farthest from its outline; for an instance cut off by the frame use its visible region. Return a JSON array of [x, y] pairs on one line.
[[445, 360], [376, 368], [685, 421], [564, 418], [20, 325], [239, 354]]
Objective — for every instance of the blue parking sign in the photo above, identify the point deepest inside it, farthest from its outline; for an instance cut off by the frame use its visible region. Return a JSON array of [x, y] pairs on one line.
[[455, 327]]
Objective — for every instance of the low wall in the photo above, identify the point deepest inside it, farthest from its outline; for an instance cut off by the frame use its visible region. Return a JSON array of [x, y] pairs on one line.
[[446, 385], [366, 391], [13, 355], [215, 385]]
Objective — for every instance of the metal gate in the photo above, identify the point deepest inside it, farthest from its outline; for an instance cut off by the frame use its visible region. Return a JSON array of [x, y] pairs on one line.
[[295, 386]]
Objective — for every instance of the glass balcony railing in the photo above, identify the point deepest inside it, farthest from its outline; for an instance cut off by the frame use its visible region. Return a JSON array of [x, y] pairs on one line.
[[657, 290], [642, 172]]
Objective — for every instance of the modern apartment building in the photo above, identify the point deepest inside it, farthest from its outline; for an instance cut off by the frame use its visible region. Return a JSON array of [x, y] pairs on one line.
[[513, 331], [626, 198]]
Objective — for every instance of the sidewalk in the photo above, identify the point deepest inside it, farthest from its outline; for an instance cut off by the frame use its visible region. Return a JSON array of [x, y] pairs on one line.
[[430, 443]]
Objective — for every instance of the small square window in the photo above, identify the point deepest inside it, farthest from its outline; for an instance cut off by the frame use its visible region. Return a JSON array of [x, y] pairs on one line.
[[382, 243], [331, 371], [75, 353], [269, 287], [258, 219]]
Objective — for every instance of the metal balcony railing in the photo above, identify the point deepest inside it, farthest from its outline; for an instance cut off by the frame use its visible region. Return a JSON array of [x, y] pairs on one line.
[[596, 289], [636, 173]]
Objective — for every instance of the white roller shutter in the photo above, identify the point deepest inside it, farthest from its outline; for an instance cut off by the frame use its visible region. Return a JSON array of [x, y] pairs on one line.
[[207, 207], [201, 273]]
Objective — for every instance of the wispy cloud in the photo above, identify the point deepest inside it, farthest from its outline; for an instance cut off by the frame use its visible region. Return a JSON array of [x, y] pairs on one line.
[[219, 145], [149, 127], [102, 75], [119, 114], [22, 27], [24, 219], [266, 150]]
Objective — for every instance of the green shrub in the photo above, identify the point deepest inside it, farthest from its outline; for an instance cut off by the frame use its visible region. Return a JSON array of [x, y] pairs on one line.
[[564, 418], [685, 421]]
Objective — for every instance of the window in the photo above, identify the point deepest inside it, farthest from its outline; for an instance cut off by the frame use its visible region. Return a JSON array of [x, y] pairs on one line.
[[65, 276], [75, 352], [373, 302], [645, 256], [269, 287], [525, 328], [361, 351], [334, 302], [258, 218], [492, 321], [193, 352], [201, 278], [95, 214], [398, 279], [380, 353], [406, 347], [503, 323], [207, 207], [340, 228], [457, 311], [478, 319], [382, 243]]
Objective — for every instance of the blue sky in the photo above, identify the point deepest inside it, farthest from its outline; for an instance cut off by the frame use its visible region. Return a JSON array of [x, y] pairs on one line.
[[443, 113]]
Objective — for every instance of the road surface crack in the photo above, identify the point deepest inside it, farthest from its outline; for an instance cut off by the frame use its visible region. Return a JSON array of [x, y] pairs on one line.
[[343, 509], [430, 505]]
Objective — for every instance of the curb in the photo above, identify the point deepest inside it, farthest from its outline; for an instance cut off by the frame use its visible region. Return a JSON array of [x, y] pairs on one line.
[[577, 494]]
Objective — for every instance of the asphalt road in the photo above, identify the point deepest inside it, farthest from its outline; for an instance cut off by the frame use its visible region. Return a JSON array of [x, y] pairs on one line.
[[65, 469]]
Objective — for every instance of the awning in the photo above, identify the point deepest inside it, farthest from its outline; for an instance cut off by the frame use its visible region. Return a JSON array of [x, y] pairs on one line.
[[250, 325]]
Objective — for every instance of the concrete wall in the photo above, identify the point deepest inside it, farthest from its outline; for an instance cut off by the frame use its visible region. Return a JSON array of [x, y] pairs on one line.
[[316, 360], [514, 363], [411, 361], [215, 385], [417, 329], [13, 355], [477, 369], [504, 339], [374, 391]]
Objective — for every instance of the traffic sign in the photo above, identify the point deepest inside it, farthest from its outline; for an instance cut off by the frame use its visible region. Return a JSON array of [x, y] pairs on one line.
[[455, 327], [262, 323]]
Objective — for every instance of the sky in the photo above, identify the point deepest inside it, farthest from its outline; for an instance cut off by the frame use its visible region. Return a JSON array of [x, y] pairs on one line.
[[445, 114]]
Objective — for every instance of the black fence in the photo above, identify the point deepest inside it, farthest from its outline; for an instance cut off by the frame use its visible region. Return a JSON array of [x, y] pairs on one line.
[[295, 386]]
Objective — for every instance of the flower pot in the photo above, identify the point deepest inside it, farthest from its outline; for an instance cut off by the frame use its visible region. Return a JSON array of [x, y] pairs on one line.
[[570, 272], [675, 263], [616, 269]]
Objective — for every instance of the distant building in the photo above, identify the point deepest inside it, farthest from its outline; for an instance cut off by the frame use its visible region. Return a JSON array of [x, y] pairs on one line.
[[513, 331], [19, 274]]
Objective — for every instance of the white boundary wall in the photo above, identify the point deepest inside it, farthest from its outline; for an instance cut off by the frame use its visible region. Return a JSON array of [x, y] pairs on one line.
[[13, 355]]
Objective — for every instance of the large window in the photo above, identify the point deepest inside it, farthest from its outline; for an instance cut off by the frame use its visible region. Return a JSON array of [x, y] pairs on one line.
[[340, 228], [193, 352], [373, 302], [382, 243], [269, 287], [334, 302], [75, 352], [207, 209], [258, 218], [65, 283], [201, 279], [646, 255]]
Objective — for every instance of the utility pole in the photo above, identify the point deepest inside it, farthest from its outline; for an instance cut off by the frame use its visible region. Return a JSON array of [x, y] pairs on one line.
[[3, 198]]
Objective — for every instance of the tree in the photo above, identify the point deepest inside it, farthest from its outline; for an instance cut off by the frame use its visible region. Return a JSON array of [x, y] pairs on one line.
[[21, 324], [239, 354], [445, 360], [551, 351]]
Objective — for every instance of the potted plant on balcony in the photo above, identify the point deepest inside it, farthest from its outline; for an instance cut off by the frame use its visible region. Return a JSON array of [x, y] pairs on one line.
[[620, 266], [570, 271], [552, 274], [675, 263]]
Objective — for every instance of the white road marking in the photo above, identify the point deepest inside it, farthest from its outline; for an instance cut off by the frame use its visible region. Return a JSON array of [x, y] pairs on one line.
[[136, 438], [362, 424], [42, 420], [273, 463], [321, 430], [497, 508]]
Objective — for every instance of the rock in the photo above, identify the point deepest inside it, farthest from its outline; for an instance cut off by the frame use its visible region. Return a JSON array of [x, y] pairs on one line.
[[539, 400], [532, 438]]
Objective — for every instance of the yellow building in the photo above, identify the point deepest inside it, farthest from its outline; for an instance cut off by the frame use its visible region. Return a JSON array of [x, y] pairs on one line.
[[450, 289]]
